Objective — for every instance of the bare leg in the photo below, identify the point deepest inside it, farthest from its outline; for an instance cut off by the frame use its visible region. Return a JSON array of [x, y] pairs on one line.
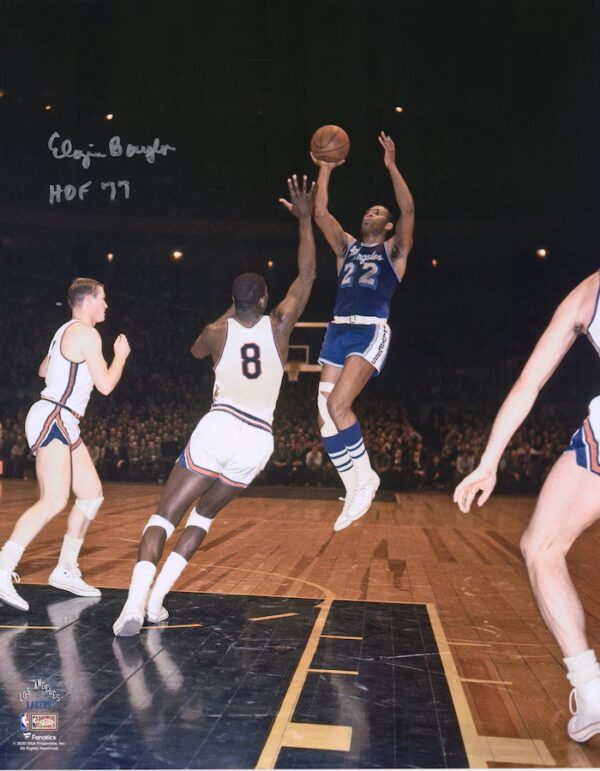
[[211, 504], [53, 469], [568, 504], [193, 534], [53, 466], [354, 376], [329, 374], [182, 489], [88, 493], [86, 486]]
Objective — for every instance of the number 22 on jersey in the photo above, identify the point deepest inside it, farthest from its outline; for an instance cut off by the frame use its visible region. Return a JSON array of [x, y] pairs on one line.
[[368, 278]]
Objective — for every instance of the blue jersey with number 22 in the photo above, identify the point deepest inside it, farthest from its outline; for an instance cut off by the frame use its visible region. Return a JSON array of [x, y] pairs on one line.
[[366, 282]]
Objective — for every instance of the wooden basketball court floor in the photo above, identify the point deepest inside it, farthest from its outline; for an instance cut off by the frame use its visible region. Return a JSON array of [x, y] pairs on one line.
[[410, 639]]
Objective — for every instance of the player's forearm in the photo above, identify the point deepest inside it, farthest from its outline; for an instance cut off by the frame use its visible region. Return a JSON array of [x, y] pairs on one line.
[[515, 409], [113, 375], [307, 256], [402, 192], [322, 196]]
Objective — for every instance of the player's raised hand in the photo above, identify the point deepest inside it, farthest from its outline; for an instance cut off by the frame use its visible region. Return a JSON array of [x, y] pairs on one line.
[[301, 198], [326, 164], [121, 347], [389, 149], [480, 480]]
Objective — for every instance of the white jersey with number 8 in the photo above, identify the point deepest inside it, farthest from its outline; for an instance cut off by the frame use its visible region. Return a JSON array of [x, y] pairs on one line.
[[249, 371]]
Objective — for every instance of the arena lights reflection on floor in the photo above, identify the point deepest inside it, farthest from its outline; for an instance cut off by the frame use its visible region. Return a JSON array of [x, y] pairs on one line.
[[206, 689]]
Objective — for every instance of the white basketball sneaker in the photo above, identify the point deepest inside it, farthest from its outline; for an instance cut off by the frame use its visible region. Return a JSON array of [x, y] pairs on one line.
[[157, 618], [358, 502], [130, 621], [155, 610], [343, 520], [8, 592], [584, 705], [70, 580]]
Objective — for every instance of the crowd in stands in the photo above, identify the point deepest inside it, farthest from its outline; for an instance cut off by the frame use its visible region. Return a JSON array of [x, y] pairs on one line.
[[420, 440]]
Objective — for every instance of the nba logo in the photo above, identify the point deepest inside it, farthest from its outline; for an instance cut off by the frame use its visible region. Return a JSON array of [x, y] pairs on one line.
[[24, 722]]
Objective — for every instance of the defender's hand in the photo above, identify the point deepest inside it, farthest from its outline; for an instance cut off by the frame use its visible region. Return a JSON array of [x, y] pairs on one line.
[[301, 202], [481, 480], [389, 149]]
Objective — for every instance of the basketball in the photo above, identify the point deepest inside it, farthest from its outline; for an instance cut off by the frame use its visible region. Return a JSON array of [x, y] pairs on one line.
[[330, 143]]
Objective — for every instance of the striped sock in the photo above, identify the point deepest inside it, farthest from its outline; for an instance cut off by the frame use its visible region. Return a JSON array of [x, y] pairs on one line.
[[336, 449], [353, 441]]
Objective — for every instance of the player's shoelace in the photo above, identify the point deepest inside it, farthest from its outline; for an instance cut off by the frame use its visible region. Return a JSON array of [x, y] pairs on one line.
[[14, 576]]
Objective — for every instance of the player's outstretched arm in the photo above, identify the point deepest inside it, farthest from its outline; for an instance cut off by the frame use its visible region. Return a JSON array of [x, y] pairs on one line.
[[568, 321], [403, 237], [289, 310], [203, 344], [334, 233], [105, 378]]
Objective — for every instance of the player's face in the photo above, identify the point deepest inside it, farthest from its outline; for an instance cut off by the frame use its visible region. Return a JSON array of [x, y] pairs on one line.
[[374, 220], [98, 305]]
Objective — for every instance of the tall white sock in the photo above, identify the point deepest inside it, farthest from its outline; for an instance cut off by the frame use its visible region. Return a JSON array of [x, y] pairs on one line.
[[582, 668], [10, 555], [353, 441], [339, 456], [141, 579], [170, 572], [70, 551]]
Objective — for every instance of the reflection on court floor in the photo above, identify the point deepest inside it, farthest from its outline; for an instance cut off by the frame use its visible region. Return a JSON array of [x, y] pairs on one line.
[[230, 681]]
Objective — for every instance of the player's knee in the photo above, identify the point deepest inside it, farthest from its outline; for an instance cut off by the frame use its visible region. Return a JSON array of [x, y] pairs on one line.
[[89, 506], [158, 525], [195, 531], [338, 406], [538, 550], [155, 535], [325, 421], [199, 520], [53, 504]]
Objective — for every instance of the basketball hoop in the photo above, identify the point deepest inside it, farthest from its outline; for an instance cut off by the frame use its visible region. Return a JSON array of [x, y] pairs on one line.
[[301, 352]]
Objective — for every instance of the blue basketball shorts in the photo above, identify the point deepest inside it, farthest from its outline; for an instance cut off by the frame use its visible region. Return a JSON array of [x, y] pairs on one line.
[[369, 341]]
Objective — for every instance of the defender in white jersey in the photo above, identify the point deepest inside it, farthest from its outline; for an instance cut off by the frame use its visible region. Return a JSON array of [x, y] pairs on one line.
[[568, 504], [234, 440], [73, 366]]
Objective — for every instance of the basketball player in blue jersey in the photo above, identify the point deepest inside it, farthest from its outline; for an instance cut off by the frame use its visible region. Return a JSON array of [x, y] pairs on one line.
[[233, 442], [73, 366], [568, 504], [358, 338]]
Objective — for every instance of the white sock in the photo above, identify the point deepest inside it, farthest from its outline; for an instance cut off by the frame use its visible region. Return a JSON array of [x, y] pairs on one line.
[[10, 555], [363, 468], [582, 668], [348, 477], [141, 579], [70, 551], [339, 456], [171, 570], [354, 443]]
